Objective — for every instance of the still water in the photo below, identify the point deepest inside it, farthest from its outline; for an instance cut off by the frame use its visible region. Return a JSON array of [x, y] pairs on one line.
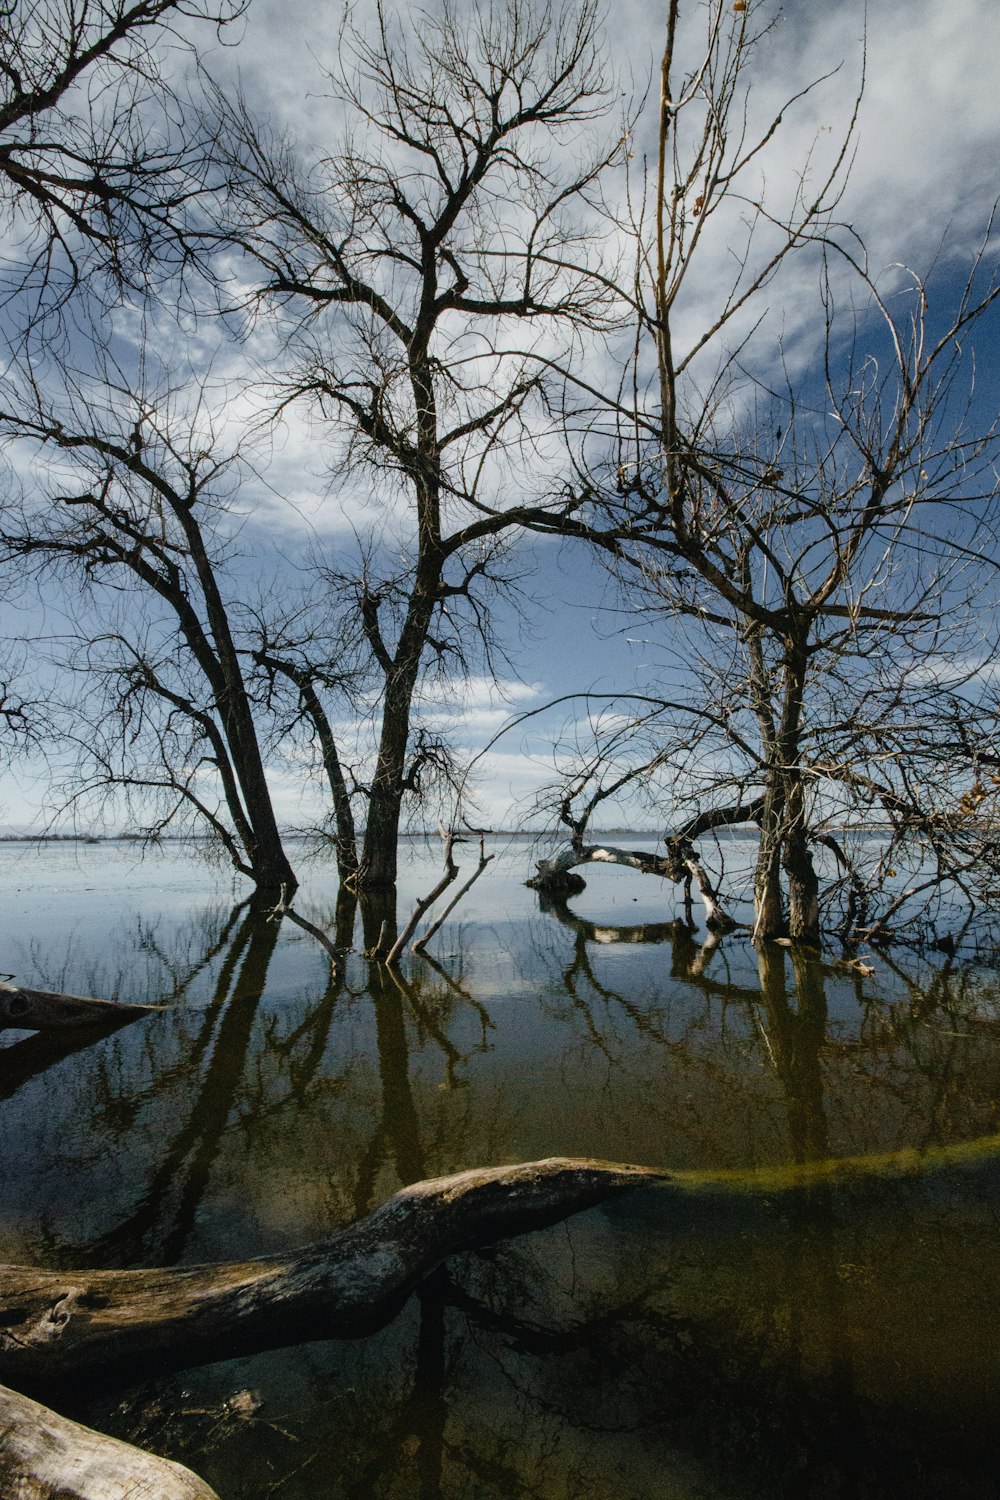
[[765, 1327]]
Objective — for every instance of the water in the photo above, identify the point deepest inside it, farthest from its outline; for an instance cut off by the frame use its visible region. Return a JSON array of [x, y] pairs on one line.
[[765, 1328]]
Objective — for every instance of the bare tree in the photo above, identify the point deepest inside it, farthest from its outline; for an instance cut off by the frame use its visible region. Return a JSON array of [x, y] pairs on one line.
[[453, 223], [132, 501], [93, 163], [815, 541]]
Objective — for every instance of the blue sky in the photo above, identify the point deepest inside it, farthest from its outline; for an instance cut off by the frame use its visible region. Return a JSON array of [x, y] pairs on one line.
[[923, 179]]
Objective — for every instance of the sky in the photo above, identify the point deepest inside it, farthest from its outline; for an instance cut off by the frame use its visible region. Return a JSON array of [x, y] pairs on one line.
[[922, 180]]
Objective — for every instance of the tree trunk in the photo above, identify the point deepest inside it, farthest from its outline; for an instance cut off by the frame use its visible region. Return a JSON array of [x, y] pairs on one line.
[[378, 920], [379, 858], [61, 1328], [347, 838], [782, 826], [304, 679], [803, 885], [380, 851], [47, 1457], [769, 910]]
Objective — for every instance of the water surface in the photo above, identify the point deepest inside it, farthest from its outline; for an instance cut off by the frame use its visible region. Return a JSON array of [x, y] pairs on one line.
[[764, 1328]]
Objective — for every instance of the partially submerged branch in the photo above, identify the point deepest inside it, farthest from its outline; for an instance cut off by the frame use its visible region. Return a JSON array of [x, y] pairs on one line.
[[680, 864], [424, 903], [58, 1328], [50, 1010], [459, 895]]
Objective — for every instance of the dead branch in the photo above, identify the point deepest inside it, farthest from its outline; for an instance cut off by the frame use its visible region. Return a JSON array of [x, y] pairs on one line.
[[58, 1328], [679, 865], [425, 902], [47, 1457], [50, 1010], [462, 891]]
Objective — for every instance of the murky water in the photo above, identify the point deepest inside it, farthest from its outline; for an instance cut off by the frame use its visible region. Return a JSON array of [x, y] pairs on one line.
[[765, 1327]]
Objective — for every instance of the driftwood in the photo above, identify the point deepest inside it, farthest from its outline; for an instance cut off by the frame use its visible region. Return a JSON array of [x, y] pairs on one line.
[[61, 1328], [49, 1010], [681, 864], [47, 1457]]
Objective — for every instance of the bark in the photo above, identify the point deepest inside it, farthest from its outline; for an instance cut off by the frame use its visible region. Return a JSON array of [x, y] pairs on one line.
[[269, 862], [61, 1328], [680, 864], [50, 1010], [47, 1457], [347, 838], [769, 911], [379, 857], [783, 840], [304, 680], [803, 888]]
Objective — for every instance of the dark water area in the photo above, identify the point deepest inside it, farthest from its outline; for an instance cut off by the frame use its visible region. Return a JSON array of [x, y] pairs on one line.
[[809, 1309]]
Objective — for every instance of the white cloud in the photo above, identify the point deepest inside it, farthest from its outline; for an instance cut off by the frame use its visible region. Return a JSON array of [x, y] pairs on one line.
[[922, 180]]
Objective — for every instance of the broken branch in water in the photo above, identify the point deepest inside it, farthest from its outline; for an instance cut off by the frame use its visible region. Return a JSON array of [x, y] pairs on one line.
[[462, 891], [425, 902], [50, 1010]]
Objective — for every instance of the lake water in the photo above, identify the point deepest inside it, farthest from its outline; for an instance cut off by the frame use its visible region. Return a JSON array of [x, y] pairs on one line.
[[765, 1327]]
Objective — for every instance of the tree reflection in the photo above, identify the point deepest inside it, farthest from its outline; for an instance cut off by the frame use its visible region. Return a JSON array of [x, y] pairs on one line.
[[672, 1344], [745, 1344], [161, 1223], [794, 1036]]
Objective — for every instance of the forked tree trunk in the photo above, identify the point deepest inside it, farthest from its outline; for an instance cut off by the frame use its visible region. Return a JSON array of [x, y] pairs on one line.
[[379, 857], [768, 905], [803, 885]]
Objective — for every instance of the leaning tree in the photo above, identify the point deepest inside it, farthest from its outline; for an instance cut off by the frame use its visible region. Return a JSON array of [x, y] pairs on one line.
[[127, 514]]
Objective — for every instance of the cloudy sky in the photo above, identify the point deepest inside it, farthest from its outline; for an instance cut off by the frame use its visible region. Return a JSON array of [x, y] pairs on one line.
[[923, 179]]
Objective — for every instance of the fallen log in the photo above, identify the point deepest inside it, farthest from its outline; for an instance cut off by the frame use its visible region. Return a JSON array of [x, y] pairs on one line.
[[61, 1328], [47, 1457], [50, 1010], [680, 864]]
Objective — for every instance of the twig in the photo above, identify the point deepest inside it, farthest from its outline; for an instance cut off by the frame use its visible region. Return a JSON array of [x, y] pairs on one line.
[[282, 910]]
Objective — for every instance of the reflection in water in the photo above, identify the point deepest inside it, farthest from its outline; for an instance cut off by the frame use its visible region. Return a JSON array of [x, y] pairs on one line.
[[794, 1036], [819, 1342], [161, 1224], [664, 1346]]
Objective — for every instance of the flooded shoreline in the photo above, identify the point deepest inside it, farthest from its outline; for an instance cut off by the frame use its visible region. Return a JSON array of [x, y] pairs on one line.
[[816, 1290]]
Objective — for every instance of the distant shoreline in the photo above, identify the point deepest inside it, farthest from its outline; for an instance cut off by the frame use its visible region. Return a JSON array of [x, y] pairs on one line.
[[428, 835]]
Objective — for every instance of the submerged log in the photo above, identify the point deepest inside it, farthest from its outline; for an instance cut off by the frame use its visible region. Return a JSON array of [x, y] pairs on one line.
[[47, 1457], [50, 1010], [58, 1328]]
